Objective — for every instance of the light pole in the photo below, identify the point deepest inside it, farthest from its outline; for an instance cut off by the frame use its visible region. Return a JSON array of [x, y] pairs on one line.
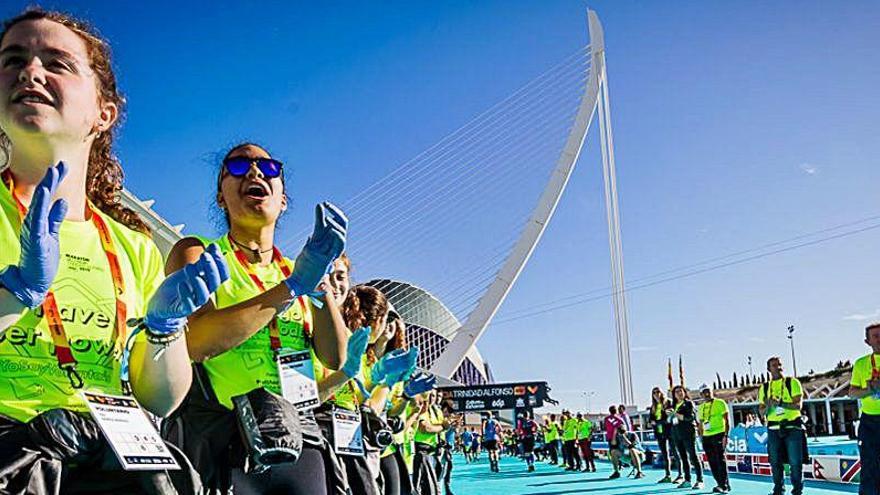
[[751, 372], [791, 340]]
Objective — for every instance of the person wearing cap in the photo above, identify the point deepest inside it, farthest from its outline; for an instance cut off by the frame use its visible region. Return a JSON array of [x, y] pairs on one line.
[[779, 401], [713, 424], [865, 386]]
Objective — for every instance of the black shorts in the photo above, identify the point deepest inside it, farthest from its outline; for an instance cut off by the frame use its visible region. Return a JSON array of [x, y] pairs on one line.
[[528, 444], [490, 445]]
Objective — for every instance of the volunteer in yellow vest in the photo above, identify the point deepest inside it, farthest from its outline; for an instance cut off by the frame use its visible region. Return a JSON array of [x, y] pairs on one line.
[[551, 438], [260, 319], [394, 404], [75, 267], [779, 401], [585, 443], [429, 425], [865, 385], [569, 442], [350, 387], [713, 424]]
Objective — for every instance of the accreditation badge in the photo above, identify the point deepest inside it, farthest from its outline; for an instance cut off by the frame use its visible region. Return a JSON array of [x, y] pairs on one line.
[[128, 430], [297, 376], [348, 433]]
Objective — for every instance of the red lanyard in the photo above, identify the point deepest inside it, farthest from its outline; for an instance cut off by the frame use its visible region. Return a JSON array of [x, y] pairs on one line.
[[284, 266], [875, 373], [63, 353]]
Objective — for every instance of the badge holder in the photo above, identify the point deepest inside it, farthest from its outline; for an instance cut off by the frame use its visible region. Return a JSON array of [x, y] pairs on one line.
[[297, 375], [128, 430], [348, 433]]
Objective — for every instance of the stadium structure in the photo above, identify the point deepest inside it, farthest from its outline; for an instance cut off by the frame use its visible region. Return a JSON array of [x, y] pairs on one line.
[[431, 326]]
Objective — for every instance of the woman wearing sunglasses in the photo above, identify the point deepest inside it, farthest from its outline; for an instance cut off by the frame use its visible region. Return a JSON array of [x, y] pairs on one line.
[[263, 312], [75, 266]]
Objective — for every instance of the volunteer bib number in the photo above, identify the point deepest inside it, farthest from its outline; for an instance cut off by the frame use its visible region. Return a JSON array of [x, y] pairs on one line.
[[129, 431], [297, 377], [348, 435]]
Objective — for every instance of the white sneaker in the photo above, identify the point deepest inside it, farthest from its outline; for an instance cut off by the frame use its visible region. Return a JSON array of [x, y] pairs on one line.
[[698, 485]]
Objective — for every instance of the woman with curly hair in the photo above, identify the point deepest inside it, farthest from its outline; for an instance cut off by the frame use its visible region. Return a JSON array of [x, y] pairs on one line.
[[75, 267]]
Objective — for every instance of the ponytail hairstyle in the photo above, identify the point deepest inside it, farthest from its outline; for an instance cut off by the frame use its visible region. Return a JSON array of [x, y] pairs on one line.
[[365, 306], [104, 175]]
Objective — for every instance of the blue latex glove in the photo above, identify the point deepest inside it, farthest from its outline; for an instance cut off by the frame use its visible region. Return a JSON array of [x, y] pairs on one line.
[[393, 366], [412, 357], [357, 347], [419, 384], [30, 280], [324, 245], [185, 291]]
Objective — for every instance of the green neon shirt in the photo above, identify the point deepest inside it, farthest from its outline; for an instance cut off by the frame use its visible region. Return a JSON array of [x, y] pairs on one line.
[[711, 416], [252, 363], [551, 432], [433, 416], [863, 371], [569, 429], [777, 390], [30, 380], [585, 429]]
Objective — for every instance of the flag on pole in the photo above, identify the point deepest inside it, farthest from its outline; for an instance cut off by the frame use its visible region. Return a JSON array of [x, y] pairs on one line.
[[669, 373], [680, 371]]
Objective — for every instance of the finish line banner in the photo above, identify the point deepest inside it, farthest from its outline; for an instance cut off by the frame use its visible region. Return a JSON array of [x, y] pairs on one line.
[[495, 396]]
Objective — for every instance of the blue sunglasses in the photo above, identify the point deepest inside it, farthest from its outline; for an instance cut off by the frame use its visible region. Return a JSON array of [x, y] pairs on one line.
[[239, 166]]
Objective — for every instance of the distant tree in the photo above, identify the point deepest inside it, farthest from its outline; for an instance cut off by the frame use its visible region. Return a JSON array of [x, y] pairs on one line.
[[735, 382]]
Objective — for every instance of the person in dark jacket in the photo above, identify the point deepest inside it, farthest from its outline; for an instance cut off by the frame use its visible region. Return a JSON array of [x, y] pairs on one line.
[[659, 421], [684, 435]]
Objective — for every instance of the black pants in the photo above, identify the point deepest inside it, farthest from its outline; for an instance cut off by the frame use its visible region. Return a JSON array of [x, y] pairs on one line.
[[869, 451], [64, 451], [424, 471], [395, 475], [550, 448], [446, 468], [714, 447], [306, 476], [685, 440], [666, 450], [573, 459], [360, 478], [208, 433]]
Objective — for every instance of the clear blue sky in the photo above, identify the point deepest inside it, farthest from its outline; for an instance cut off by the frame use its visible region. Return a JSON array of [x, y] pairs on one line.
[[736, 125]]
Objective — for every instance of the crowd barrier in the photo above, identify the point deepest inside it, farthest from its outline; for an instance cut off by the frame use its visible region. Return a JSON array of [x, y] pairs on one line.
[[747, 455]]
